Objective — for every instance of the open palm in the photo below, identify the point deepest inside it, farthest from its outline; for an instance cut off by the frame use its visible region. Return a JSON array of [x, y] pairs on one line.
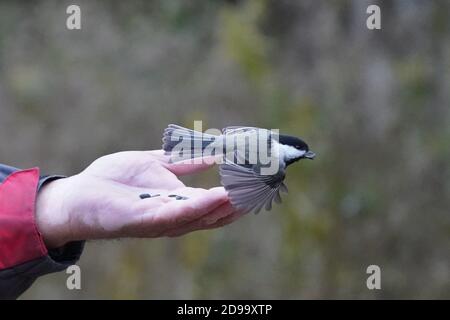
[[104, 200]]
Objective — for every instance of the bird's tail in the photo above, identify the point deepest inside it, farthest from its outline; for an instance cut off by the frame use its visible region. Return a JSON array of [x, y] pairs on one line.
[[193, 142]]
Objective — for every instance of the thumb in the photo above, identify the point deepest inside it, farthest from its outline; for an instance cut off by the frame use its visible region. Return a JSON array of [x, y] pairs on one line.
[[187, 166], [191, 166]]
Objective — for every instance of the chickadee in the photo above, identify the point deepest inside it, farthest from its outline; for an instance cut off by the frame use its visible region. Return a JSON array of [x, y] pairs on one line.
[[249, 183]]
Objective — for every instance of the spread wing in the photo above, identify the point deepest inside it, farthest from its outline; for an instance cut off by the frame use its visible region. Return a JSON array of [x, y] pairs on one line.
[[248, 189]]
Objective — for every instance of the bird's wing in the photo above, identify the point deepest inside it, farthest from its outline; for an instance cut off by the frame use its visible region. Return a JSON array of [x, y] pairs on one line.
[[248, 190]]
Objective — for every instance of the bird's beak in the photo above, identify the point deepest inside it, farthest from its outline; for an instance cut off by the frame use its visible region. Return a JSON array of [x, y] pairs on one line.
[[310, 155]]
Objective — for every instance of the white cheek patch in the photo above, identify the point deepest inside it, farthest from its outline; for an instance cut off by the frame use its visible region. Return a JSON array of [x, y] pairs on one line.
[[292, 153]]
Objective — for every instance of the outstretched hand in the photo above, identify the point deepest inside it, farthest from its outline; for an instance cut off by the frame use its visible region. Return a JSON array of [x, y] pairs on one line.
[[104, 201]]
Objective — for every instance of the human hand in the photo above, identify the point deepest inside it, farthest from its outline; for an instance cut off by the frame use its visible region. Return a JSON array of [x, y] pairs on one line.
[[104, 201]]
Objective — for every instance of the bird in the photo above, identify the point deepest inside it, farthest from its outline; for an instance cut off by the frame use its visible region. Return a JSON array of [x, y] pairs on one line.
[[251, 183]]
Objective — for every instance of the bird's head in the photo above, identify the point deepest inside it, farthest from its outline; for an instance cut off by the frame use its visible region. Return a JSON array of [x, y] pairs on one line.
[[295, 149]]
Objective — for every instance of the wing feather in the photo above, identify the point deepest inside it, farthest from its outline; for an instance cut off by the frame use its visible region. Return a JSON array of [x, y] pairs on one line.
[[248, 189]]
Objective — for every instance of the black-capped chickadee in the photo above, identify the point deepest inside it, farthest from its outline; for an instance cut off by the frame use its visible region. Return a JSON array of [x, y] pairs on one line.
[[254, 160]]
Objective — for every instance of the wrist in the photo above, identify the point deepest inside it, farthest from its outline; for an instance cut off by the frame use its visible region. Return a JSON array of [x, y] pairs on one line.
[[52, 215]]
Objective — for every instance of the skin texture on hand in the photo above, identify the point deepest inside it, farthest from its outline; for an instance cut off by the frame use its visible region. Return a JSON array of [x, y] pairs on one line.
[[103, 202]]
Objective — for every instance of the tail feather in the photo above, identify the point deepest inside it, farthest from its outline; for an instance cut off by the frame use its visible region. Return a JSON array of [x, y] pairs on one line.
[[174, 134]]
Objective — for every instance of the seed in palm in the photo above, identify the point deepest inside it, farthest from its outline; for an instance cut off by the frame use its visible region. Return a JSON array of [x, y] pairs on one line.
[[147, 195]]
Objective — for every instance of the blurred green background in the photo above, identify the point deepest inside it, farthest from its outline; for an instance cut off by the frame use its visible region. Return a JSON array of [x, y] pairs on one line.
[[374, 106]]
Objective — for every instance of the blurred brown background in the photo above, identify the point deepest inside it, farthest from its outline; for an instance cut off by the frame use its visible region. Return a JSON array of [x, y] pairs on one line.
[[374, 106]]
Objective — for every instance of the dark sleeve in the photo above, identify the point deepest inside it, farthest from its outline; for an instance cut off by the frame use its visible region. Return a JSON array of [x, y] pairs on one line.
[[23, 255]]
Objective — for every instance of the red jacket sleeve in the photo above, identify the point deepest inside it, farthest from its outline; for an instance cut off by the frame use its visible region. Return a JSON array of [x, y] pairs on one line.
[[23, 255], [20, 240]]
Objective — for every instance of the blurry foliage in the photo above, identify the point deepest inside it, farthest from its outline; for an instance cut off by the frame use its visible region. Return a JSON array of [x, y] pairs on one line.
[[243, 40], [374, 106]]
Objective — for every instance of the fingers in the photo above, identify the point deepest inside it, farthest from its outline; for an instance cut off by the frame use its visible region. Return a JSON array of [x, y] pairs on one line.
[[208, 221], [190, 166], [177, 213], [182, 169], [187, 166], [131, 163], [136, 161], [204, 209], [227, 220]]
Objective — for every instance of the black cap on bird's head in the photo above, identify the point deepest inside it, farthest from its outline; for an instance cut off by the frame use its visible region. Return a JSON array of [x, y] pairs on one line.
[[298, 144]]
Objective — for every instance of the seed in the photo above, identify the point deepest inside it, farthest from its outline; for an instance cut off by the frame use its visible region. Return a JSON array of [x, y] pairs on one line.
[[173, 195], [145, 196]]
